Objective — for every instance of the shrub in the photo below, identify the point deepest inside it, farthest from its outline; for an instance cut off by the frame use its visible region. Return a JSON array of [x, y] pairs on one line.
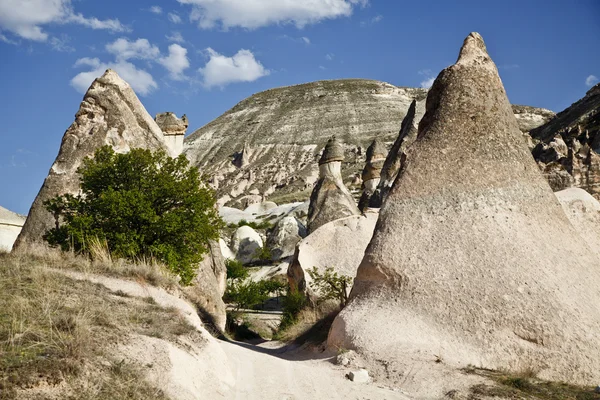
[[142, 204], [263, 254], [293, 303], [330, 285], [249, 294], [235, 270]]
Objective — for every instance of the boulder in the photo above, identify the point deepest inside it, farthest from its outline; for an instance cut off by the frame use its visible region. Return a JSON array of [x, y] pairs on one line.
[[359, 376], [208, 287], [226, 251], [260, 208], [339, 244], [283, 238], [110, 114], [10, 225], [244, 243], [396, 157], [473, 258], [583, 210], [330, 199]]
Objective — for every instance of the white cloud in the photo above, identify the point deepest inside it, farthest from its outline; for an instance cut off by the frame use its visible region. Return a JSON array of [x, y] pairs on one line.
[[591, 80], [330, 57], [26, 18], [174, 18], [176, 62], [305, 39], [175, 37], [6, 40], [141, 81], [252, 14], [123, 49], [322, 67], [376, 19], [426, 84], [221, 70], [156, 9]]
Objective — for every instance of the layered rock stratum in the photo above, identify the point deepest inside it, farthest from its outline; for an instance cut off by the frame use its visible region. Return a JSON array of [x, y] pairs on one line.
[[464, 264], [267, 145], [110, 114]]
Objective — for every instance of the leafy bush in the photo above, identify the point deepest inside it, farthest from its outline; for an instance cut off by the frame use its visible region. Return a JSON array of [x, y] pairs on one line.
[[330, 285], [252, 224], [293, 303], [235, 270], [263, 254], [249, 294], [142, 204]]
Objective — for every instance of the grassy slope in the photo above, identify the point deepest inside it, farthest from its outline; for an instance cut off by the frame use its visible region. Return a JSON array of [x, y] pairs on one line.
[[56, 334]]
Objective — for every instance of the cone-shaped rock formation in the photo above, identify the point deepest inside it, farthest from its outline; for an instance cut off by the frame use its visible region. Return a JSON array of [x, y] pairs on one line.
[[371, 174], [173, 129], [330, 199], [464, 262], [396, 157], [110, 114]]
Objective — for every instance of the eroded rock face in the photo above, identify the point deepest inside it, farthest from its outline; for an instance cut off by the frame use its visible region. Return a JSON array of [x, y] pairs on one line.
[[339, 244], [371, 175], [10, 226], [245, 243], [286, 129], [568, 146], [464, 259], [173, 130], [110, 114], [283, 238], [330, 199], [208, 287], [583, 210]]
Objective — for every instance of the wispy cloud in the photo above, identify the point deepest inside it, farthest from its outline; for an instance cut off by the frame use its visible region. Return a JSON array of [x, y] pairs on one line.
[[156, 10], [591, 80], [62, 44], [376, 19], [509, 66], [174, 18], [303, 39], [175, 37], [429, 79], [329, 56]]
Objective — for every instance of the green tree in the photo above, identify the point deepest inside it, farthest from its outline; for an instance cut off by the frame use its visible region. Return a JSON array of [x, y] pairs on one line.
[[330, 285], [143, 204]]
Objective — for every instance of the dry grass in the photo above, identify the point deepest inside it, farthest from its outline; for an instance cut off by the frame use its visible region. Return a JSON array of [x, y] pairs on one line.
[[312, 324], [525, 385], [144, 270], [56, 333]]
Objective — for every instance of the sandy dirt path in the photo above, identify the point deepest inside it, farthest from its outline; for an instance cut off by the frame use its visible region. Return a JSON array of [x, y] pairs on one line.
[[265, 372]]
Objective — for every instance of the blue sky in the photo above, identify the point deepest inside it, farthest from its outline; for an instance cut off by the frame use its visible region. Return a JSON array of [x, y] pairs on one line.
[[201, 57]]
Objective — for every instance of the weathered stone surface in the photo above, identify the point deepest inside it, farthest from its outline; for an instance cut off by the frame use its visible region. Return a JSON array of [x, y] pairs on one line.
[[10, 225], [371, 174], [226, 251], [208, 287], [583, 210], [359, 376], [286, 129], [568, 146], [530, 118], [330, 199], [110, 114], [173, 130], [340, 244], [283, 238], [472, 257], [397, 156], [244, 243]]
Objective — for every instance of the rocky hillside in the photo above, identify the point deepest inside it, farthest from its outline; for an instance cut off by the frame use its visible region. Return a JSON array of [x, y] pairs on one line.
[[567, 147], [268, 145]]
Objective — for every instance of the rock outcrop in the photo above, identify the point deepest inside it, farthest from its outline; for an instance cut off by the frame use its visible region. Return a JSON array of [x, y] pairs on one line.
[[283, 238], [110, 114], [464, 262], [568, 148], [208, 287], [530, 118], [10, 226], [339, 244], [397, 156], [583, 210], [371, 174], [173, 130], [330, 199], [245, 243]]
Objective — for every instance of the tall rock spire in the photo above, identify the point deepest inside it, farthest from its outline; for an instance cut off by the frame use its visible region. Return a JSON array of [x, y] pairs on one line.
[[110, 114], [330, 199], [464, 261], [371, 173]]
